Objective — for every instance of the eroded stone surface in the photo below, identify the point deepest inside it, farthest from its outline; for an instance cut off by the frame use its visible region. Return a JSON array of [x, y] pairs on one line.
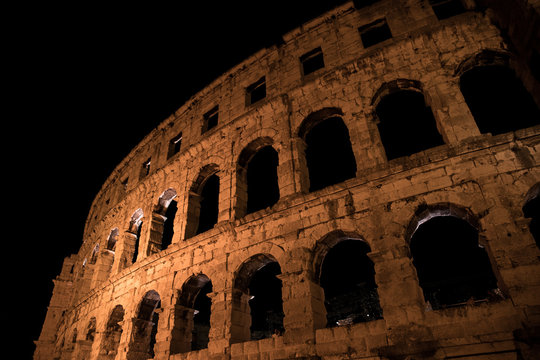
[[124, 297]]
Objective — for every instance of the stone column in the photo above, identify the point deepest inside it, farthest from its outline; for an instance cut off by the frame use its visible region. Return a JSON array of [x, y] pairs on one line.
[[240, 317], [124, 252], [162, 345], [454, 119], [181, 318], [139, 340], [156, 234], [303, 305], [220, 321], [82, 350], [102, 268], [300, 171]]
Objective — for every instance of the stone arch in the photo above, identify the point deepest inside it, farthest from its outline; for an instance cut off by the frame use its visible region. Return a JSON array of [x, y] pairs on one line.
[[144, 329], [437, 236], [531, 210], [256, 177], [494, 93], [328, 151], [192, 312], [343, 269], [112, 334], [257, 305], [404, 119], [426, 212], [203, 201], [162, 226]]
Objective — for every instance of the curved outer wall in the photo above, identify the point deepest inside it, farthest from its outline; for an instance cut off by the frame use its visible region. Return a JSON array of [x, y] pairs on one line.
[[489, 176]]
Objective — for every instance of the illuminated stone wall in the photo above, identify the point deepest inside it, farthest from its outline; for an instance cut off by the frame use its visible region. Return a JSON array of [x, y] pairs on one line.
[[107, 306]]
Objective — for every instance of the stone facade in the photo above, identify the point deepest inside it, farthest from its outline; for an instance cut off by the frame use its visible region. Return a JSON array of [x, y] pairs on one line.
[[129, 294]]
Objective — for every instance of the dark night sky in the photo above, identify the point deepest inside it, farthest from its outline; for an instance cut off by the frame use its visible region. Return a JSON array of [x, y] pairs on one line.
[[88, 84]]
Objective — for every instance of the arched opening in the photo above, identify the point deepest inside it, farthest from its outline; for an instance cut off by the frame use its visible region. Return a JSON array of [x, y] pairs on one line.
[[192, 315], [113, 332], [257, 180], [209, 204], [145, 326], [347, 276], [257, 301], [168, 227], [135, 227], [162, 228], [329, 156], [113, 238], [406, 124], [498, 100], [203, 203], [531, 210], [452, 267]]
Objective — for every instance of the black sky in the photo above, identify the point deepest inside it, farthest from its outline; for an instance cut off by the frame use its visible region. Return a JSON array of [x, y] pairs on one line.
[[86, 85]]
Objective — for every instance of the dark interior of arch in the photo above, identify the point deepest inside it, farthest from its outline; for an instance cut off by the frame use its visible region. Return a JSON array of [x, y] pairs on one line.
[[532, 210], [262, 180], [209, 204], [452, 268], [113, 238], [113, 331], [329, 154], [201, 318], [406, 125], [145, 326], [266, 304], [348, 280], [498, 100], [168, 230]]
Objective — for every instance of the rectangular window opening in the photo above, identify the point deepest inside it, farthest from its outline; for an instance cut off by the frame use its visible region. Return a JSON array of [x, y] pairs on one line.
[[312, 61], [445, 9], [174, 145], [374, 33], [256, 91], [210, 119]]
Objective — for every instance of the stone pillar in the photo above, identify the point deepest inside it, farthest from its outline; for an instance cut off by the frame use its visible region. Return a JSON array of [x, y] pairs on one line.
[[193, 214], [102, 268], [240, 198], [162, 345], [400, 296], [156, 234], [139, 340], [181, 318], [300, 171], [303, 305], [220, 321], [454, 119], [124, 252], [224, 202], [240, 315], [82, 350]]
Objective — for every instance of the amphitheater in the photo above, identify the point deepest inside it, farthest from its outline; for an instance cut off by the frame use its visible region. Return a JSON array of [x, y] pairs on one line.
[[365, 188]]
